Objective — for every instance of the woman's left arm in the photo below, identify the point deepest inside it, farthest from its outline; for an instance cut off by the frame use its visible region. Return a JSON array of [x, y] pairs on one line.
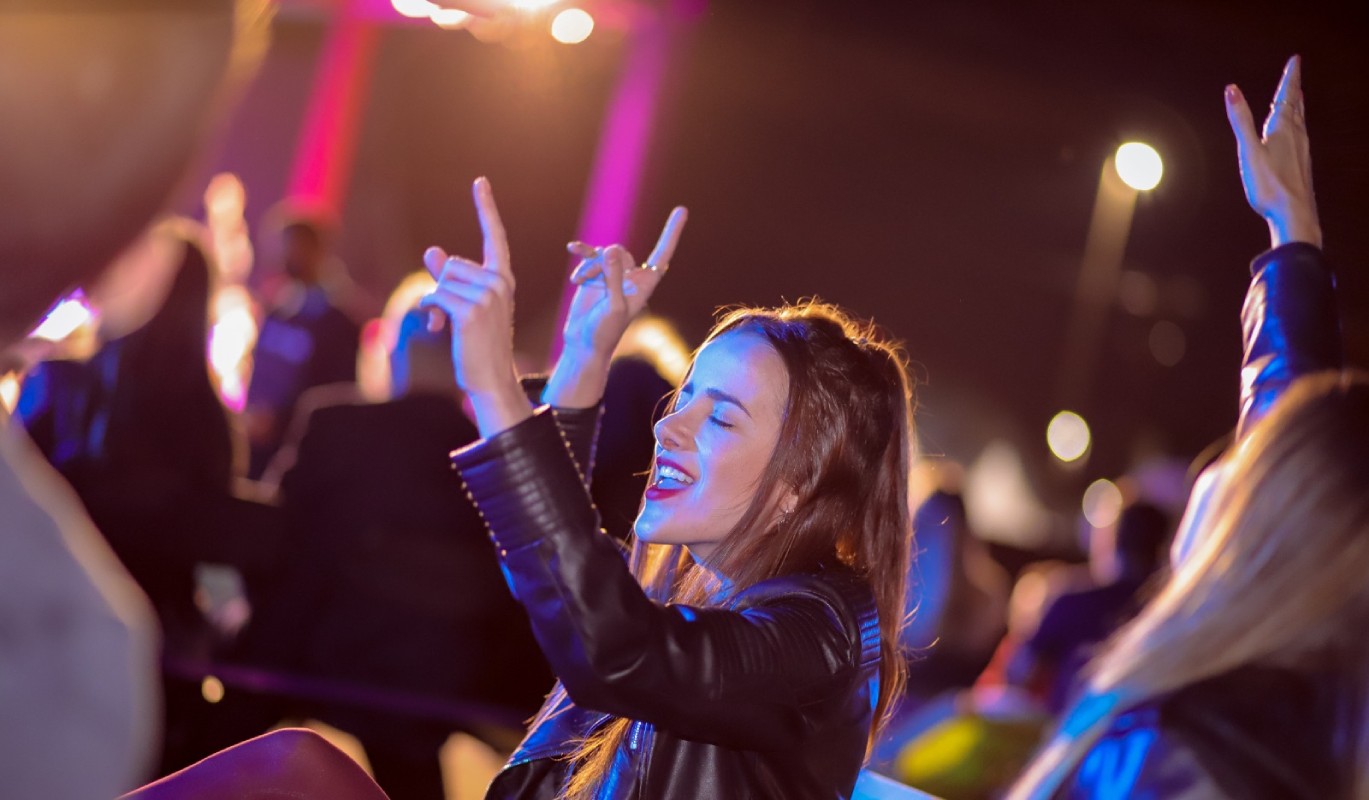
[[1289, 320]]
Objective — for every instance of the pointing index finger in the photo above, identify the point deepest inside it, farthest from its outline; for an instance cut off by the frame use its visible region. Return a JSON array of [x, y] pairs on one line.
[[670, 237], [1290, 85], [496, 241], [1287, 105]]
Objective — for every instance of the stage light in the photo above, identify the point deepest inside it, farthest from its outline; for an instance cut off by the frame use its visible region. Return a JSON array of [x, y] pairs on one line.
[[9, 392], [450, 17], [63, 320], [231, 337], [1068, 436], [417, 9], [211, 689], [1102, 503], [1139, 166], [572, 26], [534, 5]]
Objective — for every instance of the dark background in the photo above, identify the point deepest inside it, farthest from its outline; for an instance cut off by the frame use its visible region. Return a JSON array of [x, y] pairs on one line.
[[930, 164]]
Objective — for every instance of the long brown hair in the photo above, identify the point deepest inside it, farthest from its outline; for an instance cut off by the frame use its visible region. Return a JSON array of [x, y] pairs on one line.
[[1278, 577], [845, 450]]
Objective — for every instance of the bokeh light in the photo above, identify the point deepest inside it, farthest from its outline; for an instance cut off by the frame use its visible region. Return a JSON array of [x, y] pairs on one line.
[[211, 689], [232, 335], [1167, 343], [450, 17], [1102, 503], [416, 9], [1068, 436], [1139, 166], [572, 26]]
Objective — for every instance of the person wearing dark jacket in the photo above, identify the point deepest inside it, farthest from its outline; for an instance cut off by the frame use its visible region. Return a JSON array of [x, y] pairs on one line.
[[394, 584], [1244, 678], [750, 645]]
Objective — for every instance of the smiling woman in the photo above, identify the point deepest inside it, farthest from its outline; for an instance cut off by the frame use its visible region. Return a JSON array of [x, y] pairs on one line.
[[712, 449], [748, 647]]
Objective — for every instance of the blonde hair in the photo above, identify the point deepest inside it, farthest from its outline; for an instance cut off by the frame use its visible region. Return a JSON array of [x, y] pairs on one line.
[[1278, 577]]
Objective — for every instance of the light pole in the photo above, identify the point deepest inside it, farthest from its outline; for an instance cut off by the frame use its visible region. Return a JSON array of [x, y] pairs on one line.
[[1135, 168]]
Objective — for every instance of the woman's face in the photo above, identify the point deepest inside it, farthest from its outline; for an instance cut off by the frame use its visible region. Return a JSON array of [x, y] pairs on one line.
[[713, 448]]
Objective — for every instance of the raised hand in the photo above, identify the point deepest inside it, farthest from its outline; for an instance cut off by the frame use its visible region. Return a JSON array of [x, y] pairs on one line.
[[612, 289], [478, 299], [1276, 167]]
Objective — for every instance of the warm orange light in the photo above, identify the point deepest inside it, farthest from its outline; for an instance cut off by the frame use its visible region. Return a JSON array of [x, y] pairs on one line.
[[9, 392], [572, 26]]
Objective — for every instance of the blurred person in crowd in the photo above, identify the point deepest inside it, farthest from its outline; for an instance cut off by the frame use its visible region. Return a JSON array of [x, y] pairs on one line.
[[306, 339], [958, 598], [1123, 557], [140, 434], [1245, 677], [83, 174], [393, 582]]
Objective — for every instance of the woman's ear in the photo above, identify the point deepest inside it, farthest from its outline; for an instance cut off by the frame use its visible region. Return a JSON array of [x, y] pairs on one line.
[[787, 501]]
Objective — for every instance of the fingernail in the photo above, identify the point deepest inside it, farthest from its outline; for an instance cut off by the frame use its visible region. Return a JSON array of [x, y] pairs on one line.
[[1232, 93]]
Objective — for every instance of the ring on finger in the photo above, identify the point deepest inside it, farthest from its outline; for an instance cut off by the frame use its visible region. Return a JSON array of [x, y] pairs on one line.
[[656, 267]]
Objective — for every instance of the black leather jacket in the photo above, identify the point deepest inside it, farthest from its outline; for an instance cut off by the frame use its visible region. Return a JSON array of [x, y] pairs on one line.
[[770, 697], [1257, 731]]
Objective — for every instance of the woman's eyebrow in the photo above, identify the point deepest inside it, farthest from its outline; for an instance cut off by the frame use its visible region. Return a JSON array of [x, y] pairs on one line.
[[723, 397]]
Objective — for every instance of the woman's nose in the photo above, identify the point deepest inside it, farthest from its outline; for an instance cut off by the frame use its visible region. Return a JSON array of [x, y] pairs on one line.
[[670, 432]]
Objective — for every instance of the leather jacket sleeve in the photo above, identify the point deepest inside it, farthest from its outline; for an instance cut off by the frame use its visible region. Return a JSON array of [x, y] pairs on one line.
[[736, 678], [1289, 324], [579, 425]]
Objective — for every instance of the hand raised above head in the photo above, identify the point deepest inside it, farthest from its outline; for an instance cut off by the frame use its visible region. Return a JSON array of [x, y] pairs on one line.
[[478, 299], [612, 289], [1276, 166]]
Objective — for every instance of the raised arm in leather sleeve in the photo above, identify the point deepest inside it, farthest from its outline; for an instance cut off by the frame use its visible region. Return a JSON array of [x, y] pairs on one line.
[[747, 678], [1290, 326], [579, 425]]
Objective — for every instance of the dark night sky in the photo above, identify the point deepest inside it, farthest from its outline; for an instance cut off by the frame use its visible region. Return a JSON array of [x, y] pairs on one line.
[[931, 164]]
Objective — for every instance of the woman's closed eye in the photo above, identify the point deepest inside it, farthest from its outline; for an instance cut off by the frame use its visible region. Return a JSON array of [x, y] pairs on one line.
[[721, 423]]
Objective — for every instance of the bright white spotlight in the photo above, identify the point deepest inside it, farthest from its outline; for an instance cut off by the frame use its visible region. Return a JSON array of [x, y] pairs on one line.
[[450, 17], [572, 26], [1139, 166], [1068, 436], [417, 9], [1102, 503], [63, 320]]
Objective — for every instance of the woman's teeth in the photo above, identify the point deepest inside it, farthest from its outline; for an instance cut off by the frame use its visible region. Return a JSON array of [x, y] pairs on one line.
[[664, 473]]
